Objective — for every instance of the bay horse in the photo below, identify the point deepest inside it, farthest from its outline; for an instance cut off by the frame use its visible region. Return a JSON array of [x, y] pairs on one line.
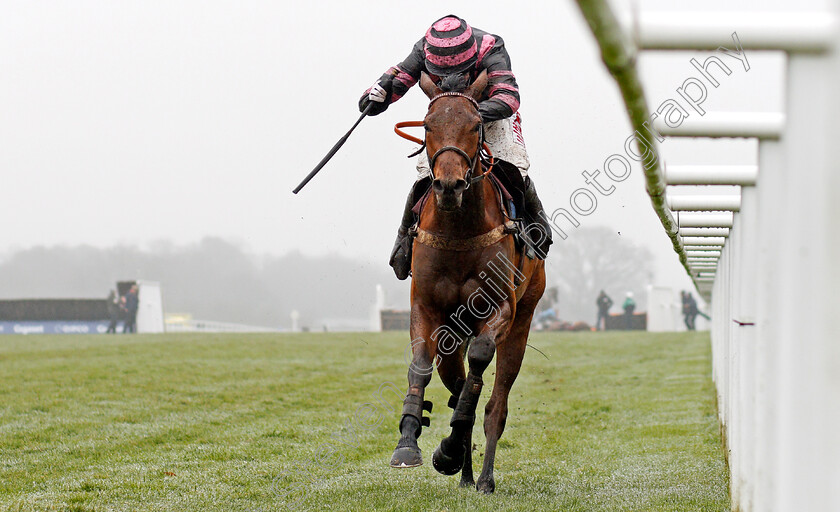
[[470, 287]]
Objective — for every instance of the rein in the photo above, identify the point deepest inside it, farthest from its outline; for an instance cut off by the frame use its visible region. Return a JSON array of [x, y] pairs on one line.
[[483, 155]]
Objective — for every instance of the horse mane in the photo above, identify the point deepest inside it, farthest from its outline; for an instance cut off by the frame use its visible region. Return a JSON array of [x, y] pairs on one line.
[[454, 83]]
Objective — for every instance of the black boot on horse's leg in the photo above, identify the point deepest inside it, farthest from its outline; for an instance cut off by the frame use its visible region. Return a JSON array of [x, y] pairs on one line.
[[400, 259], [467, 479], [540, 231], [407, 453], [449, 456]]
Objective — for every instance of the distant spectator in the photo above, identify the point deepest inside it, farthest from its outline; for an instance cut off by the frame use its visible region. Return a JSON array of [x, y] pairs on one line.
[[691, 311], [686, 310], [113, 305], [629, 307], [546, 320], [131, 304], [604, 303]]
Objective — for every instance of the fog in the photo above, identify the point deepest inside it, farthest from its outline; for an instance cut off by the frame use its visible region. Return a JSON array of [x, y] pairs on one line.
[[212, 280], [125, 124]]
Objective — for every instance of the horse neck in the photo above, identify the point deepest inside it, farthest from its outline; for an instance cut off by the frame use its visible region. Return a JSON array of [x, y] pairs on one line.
[[479, 213]]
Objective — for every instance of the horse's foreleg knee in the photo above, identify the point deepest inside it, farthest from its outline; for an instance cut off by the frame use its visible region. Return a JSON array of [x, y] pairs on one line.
[[481, 353]]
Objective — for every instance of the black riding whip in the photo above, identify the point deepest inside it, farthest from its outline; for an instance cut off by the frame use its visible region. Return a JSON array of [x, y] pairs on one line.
[[333, 151]]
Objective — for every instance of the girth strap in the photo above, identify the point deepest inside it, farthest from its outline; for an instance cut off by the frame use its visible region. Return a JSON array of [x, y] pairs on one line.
[[466, 244]]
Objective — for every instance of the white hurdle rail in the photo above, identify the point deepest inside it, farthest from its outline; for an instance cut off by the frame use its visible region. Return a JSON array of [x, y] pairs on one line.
[[772, 275]]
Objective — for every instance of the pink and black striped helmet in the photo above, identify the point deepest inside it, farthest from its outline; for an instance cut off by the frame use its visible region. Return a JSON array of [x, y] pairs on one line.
[[450, 47]]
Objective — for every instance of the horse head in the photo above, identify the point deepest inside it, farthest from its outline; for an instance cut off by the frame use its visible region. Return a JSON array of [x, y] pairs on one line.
[[453, 137]]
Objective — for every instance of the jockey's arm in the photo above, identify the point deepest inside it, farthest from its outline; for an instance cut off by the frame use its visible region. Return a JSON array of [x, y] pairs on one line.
[[398, 79], [502, 90]]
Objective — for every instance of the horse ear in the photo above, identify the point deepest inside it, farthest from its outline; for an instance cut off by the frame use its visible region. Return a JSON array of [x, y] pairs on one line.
[[428, 86], [477, 87]]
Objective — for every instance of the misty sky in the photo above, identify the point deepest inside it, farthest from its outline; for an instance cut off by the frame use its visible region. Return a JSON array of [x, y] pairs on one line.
[[130, 122]]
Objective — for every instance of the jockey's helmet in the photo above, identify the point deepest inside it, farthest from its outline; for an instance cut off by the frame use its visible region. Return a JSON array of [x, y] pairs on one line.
[[449, 46]]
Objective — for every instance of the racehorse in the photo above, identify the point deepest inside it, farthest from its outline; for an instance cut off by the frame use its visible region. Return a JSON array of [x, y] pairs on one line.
[[472, 292]]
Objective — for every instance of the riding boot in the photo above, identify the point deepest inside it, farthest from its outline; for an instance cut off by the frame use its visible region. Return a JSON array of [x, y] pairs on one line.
[[400, 259], [534, 210]]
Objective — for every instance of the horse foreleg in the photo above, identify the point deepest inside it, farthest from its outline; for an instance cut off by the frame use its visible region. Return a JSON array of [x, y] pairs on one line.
[[449, 457], [407, 453]]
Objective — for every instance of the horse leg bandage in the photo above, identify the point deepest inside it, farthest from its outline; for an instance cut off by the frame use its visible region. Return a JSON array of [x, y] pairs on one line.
[[479, 356], [413, 407], [453, 400], [468, 401]]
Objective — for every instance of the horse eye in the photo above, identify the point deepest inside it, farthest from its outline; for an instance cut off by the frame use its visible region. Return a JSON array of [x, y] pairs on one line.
[[477, 127]]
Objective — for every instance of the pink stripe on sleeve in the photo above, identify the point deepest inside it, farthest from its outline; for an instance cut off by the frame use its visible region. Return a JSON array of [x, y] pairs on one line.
[[494, 74], [402, 76], [508, 100], [506, 87]]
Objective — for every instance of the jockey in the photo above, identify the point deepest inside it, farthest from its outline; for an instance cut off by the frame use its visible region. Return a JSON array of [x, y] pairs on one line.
[[452, 47]]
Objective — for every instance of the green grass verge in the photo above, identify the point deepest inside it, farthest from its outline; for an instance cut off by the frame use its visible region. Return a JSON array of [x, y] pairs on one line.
[[607, 422]]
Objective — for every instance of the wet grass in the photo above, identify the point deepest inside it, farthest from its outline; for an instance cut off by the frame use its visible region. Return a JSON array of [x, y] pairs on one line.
[[607, 422]]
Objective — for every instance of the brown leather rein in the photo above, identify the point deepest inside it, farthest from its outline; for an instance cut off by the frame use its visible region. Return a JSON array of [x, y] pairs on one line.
[[487, 159], [474, 161]]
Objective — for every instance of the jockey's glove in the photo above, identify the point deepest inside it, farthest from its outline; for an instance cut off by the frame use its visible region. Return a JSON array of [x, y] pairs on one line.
[[378, 94]]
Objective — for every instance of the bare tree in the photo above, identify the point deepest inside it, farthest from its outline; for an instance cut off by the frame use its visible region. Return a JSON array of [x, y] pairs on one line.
[[594, 259]]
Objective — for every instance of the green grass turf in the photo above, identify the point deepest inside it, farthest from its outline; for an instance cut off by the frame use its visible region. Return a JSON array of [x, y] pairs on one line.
[[198, 422]]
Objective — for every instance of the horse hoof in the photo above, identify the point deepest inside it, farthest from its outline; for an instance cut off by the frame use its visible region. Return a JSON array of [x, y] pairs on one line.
[[485, 486], [445, 464], [466, 483], [406, 457]]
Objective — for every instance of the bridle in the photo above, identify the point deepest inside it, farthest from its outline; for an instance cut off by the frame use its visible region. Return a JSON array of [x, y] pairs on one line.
[[482, 154]]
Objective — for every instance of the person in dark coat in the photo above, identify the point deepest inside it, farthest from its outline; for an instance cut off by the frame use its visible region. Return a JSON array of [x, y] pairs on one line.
[[113, 305], [604, 303], [686, 311], [690, 310], [132, 303], [629, 307]]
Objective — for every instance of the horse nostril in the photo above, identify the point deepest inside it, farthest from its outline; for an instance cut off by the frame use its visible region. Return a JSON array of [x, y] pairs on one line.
[[460, 186], [438, 186]]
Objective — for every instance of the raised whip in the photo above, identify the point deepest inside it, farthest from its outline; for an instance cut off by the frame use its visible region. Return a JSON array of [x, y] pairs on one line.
[[333, 151]]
